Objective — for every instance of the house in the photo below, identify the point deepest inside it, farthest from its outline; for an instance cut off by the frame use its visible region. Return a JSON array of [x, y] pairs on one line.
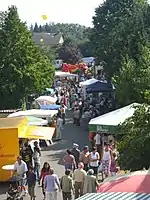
[[49, 39]]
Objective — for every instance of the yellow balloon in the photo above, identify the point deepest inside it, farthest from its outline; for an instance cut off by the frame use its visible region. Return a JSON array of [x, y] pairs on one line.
[[44, 17], [41, 40]]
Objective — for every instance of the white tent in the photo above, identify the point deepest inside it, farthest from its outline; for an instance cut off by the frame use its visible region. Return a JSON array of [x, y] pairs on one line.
[[116, 117], [44, 100], [65, 74], [84, 84], [88, 82], [35, 113]]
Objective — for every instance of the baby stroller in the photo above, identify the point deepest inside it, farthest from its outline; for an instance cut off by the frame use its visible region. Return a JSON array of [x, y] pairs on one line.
[[15, 191]]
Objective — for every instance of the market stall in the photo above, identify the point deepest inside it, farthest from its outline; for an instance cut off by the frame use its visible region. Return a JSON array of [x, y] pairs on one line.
[[50, 107], [65, 74], [108, 122], [46, 100], [34, 121], [35, 113], [99, 87], [11, 130], [85, 84]]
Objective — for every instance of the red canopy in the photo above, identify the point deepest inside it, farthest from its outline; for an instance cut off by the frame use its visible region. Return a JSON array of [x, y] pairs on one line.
[[138, 181]]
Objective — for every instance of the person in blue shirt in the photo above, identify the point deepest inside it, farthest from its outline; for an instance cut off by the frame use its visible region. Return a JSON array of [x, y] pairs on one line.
[[52, 185]]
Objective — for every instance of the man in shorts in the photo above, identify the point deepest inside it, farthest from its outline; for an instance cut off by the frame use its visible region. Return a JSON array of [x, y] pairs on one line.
[[20, 168]]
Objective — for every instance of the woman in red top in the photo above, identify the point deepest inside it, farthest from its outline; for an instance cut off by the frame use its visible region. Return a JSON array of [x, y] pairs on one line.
[[44, 172]]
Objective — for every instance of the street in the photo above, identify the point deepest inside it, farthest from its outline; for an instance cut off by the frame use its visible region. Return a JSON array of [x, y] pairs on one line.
[[54, 153]]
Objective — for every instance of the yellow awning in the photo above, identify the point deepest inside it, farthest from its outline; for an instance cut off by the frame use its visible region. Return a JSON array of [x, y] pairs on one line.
[[12, 122], [36, 132]]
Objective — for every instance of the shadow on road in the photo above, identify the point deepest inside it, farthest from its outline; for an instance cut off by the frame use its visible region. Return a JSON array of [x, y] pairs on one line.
[[3, 188]]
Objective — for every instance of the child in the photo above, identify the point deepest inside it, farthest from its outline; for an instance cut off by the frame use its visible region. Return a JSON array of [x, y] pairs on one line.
[[31, 180]]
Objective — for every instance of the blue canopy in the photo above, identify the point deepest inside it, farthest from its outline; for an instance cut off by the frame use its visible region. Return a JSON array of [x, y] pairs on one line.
[[50, 107], [99, 87]]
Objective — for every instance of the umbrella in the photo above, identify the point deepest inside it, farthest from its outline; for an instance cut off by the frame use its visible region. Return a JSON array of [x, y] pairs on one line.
[[46, 100], [136, 182]]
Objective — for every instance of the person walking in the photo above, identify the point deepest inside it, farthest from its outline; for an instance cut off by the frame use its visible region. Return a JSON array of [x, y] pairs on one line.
[[36, 158], [113, 166], [66, 184], [106, 160], [44, 171], [98, 143], [21, 169], [69, 161], [51, 185], [94, 160], [79, 177], [59, 127], [31, 181], [76, 153], [84, 157], [90, 183], [26, 154]]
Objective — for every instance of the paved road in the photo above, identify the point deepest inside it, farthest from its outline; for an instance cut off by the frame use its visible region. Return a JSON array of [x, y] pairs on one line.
[[56, 151]]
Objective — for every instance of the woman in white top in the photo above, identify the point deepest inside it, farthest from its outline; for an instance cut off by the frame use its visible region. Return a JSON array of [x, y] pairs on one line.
[[106, 160], [94, 160]]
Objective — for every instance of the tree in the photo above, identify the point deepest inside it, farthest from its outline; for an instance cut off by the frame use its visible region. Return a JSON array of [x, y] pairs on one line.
[[133, 80], [134, 146], [36, 28], [69, 54], [24, 69], [119, 30]]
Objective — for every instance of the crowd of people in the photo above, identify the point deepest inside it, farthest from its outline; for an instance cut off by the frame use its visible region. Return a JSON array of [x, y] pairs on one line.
[[81, 167], [81, 170]]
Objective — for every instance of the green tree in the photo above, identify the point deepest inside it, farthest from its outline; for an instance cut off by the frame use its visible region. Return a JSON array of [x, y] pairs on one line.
[[69, 54], [119, 30], [133, 80], [134, 146], [24, 69]]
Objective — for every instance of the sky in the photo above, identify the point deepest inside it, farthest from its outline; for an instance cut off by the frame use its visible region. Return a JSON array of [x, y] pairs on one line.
[[61, 11]]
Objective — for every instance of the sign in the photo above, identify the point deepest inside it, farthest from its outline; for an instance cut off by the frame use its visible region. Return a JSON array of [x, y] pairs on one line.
[[102, 129]]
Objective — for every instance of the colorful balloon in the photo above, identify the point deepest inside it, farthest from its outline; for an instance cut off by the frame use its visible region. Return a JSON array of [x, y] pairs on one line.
[[44, 17]]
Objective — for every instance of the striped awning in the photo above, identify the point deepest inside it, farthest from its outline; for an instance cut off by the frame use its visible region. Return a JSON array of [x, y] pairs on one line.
[[115, 196]]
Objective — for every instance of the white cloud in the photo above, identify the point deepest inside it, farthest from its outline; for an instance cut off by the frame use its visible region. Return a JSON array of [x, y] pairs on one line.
[[69, 11]]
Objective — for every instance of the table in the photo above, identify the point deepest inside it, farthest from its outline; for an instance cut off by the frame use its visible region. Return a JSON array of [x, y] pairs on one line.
[[8, 168]]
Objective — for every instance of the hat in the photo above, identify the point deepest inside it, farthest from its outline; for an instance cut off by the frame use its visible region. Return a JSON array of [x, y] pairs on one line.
[[75, 145], [91, 172]]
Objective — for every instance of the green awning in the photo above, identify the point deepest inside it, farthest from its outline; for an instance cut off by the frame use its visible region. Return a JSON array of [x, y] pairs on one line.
[[108, 122], [115, 196]]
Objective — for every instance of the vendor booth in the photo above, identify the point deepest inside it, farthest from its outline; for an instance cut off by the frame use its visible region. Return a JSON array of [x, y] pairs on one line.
[[11, 130], [50, 107], [35, 113], [65, 74], [108, 122], [46, 100], [85, 84], [99, 87]]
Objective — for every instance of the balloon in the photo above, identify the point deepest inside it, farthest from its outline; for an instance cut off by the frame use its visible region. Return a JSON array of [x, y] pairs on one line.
[[41, 40], [44, 17]]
